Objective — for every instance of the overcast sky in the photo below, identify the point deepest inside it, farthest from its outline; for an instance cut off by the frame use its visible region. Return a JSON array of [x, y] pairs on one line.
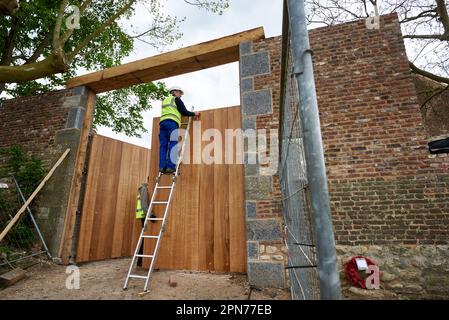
[[214, 87]]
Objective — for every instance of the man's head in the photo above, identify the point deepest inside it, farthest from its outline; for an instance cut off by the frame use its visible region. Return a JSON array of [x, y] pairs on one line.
[[176, 91]]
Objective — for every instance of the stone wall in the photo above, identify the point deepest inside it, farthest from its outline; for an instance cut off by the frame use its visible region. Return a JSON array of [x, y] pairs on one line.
[[45, 126], [260, 96], [406, 271]]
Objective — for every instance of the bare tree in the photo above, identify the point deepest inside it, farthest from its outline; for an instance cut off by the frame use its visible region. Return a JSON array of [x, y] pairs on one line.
[[424, 23]]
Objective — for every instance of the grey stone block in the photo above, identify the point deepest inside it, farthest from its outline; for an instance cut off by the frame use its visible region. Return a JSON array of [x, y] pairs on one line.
[[75, 118], [267, 229], [266, 274], [254, 64], [257, 103], [253, 250], [246, 48], [75, 101], [247, 85], [82, 90], [251, 158], [258, 188], [251, 169], [250, 208], [248, 123]]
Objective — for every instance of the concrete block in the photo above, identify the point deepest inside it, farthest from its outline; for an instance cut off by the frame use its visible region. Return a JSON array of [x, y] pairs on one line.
[[254, 64], [75, 118], [253, 250], [75, 101], [247, 85], [246, 48], [251, 169], [266, 274], [257, 103], [250, 208], [258, 188], [268, 230], [83, 90], [248, 123]]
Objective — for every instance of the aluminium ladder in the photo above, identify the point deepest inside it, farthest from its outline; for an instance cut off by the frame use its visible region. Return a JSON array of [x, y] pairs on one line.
[[148, 217]]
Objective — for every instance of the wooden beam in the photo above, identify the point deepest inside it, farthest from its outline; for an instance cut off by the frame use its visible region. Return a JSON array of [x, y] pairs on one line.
[[193, 58], [33, 195]]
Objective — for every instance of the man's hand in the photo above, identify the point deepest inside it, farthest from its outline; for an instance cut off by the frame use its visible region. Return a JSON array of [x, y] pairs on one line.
[[197, 115]]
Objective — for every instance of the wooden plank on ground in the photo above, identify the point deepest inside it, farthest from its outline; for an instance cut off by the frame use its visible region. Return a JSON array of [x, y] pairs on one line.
[[11, 277]]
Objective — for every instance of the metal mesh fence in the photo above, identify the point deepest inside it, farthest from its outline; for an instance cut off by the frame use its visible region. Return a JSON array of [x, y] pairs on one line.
[[298, 235], [22, 241]]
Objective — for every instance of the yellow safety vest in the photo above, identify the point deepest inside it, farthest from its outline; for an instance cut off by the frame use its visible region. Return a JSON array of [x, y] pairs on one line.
[[139, 211], [170, 111]]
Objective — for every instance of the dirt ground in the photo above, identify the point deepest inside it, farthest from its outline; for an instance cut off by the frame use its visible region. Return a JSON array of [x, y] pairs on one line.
[[104, 280]]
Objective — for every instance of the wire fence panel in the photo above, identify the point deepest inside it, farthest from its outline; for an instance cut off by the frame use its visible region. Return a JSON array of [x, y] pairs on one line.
[[302, 260], [22, 241]]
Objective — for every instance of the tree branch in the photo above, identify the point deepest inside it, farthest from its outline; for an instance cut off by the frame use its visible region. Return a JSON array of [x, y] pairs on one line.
[[100, 30], [40, 49], [10, 43], [442, 11], [427, 74], [8, 8], [54, 63], [58, 24], [69, 32], [427, 36]]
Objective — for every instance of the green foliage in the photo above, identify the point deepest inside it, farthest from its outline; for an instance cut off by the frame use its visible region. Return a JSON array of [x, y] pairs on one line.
[[36, 20], [122, 109], [28, 171]]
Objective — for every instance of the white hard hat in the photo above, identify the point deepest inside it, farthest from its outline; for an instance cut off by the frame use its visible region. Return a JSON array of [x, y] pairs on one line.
[[175, 88]]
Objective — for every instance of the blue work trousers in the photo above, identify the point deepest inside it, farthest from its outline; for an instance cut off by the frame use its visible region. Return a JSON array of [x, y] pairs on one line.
[[168, 142]]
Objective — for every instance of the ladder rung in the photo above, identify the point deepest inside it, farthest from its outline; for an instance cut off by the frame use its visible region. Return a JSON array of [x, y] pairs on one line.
[[144, 256], [156, 219], [164, 187], [160, 202], [136, 276], [150, 237]]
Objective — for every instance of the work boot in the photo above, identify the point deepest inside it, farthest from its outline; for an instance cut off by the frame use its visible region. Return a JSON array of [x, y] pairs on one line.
[[162, 170], [170, 170]]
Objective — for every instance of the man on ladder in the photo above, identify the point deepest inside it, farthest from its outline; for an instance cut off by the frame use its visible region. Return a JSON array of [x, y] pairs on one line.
[[172, 110]]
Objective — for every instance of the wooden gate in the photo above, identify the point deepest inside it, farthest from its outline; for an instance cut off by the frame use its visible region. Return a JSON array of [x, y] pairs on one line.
[[206, 227], [108, 225]]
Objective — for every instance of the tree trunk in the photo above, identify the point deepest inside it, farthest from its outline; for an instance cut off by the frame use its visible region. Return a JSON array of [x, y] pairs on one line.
[[8, 7], [53, 64]]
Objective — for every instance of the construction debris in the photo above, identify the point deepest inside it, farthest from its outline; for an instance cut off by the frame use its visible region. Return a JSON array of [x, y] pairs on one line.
[[11, 277]]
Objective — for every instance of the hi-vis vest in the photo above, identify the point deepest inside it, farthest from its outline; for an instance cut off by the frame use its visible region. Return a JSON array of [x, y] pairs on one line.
[[139, 211], [170, 111]]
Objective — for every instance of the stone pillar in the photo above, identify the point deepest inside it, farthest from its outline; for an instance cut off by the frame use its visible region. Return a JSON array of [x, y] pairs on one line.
[[53, 200], [263, 227]]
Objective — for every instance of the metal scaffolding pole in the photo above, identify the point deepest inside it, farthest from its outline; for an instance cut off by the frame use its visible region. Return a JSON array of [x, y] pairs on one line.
[[313, 145]]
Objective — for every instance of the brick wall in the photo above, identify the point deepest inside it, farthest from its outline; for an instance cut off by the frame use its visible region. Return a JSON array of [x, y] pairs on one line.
[[45, 126], [32, 122], [385, 187]]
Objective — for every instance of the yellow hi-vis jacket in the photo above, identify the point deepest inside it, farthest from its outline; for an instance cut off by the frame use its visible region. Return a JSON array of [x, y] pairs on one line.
[[170, 111], [139, 211]]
